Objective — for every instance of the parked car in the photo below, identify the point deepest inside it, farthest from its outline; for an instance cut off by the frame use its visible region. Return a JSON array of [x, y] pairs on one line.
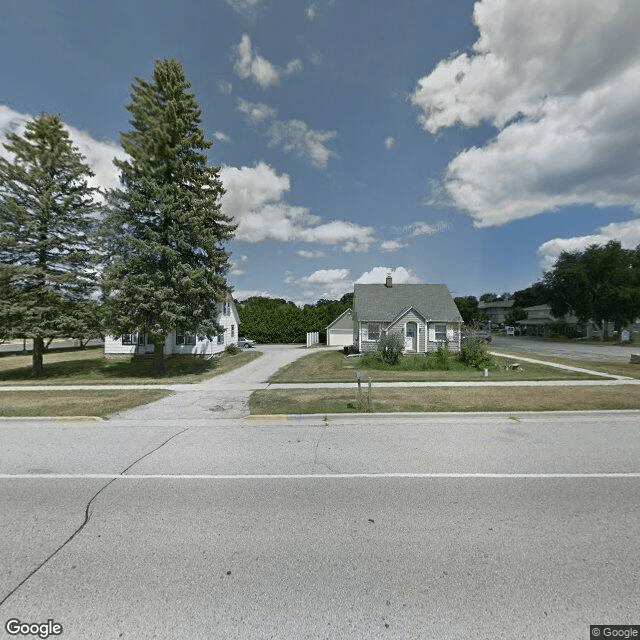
[[476, 334], [245, 342]]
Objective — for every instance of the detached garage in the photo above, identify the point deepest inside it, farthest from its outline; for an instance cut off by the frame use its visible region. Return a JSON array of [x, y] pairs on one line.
[[340, 331]]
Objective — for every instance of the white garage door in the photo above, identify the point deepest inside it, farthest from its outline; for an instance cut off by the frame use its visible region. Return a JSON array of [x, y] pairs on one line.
[[339, 337]]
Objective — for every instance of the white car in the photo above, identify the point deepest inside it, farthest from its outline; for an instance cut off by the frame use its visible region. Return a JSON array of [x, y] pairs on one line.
[[245, 342]]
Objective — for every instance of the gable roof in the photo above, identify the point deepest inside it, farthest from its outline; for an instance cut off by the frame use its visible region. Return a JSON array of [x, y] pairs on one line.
[[379, 303], [342, 315], [404, 312]]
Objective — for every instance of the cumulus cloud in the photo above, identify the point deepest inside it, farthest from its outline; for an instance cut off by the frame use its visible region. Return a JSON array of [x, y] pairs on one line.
[[254, 198], [392, 245], [99, 154], [249, 64], [334, 283], [293, 136], [628, 233], [221, 136], [389, 142], [560, 80], [378, 275], [329, 284], [311, 254]]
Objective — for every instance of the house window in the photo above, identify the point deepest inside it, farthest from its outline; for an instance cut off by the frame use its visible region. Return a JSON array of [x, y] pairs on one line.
[[226, 309], [441, 332], [221, 338], [185, 338], [233, 330], [371, 331], [133, 339]]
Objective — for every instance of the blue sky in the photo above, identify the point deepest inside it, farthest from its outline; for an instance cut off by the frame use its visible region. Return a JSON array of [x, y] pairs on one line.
[[457, 142]]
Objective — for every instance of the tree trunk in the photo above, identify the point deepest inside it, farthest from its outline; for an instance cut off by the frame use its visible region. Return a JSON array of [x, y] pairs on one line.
[[157, 368], [38, 350]]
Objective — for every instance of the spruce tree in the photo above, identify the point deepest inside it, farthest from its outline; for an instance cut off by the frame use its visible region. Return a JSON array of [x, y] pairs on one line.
[[164, 234], [47, 248]]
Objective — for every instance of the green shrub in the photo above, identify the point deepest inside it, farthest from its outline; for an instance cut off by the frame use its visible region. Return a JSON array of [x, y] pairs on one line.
[[391, 347], [232, 349], [443, 358], [371, 360], [475, 353]]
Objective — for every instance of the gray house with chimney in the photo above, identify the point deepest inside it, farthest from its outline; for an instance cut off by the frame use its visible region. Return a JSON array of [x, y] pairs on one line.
[[425, 315]]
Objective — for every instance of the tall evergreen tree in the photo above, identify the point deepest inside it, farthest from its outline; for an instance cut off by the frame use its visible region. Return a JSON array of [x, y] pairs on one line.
[[47, 216], [166, 265]]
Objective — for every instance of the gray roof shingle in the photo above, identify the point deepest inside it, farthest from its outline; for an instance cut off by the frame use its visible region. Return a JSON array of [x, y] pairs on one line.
[[379, 303]]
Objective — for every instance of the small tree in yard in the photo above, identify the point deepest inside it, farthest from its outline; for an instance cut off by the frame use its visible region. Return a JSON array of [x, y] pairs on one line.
[[391, 347], [47, 215], [166, 266]]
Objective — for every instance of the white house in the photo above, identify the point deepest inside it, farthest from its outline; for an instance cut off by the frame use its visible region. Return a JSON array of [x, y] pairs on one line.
[[178, 343]]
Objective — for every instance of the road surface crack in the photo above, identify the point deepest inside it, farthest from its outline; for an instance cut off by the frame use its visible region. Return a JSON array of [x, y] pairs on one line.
[[87, 516]]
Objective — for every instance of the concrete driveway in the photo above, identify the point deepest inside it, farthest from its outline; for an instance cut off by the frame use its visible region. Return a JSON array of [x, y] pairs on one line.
[[224, 396]]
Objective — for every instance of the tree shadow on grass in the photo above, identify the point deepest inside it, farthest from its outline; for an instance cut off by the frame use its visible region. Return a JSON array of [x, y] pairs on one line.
[[103, 370]]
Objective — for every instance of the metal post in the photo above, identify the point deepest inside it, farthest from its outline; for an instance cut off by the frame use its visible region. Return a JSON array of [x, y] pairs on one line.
[[369, 395]]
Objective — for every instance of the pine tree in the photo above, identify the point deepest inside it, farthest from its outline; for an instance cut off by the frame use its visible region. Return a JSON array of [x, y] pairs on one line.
[[166, 265], [47, 218]]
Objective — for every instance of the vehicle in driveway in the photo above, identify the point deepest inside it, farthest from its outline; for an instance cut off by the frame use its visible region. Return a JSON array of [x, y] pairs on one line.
[[476, 334], [247, 343]]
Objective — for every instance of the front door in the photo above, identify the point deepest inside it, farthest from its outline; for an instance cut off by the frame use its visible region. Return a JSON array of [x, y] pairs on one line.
[[411, 337]]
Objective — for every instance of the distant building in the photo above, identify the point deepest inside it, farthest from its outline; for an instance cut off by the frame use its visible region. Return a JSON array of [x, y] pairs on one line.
[[496, 311]]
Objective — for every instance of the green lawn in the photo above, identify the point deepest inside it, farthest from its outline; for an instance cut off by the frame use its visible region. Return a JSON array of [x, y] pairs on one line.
[[334, 366], [89, 366]]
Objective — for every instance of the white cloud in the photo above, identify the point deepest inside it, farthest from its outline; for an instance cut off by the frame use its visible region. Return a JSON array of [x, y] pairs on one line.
[[627, 233], [312, 11], [311, 254], [389, 142], [392, 245], [221, 136], [245, 7], [99, 154], [561, 82], [225, 87], [326, 276], [254, 198], [425, 229], [248, 64], [378, 275], [294, 136], [329, 284], [256, 112]]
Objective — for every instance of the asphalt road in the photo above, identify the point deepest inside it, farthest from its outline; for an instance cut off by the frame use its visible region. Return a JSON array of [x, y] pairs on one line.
[[574, 349], [449, 526]]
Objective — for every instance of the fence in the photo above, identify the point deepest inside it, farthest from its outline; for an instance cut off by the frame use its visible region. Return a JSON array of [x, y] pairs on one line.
[[313, 337]]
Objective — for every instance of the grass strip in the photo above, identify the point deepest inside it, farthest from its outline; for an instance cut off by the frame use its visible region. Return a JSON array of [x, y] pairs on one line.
[[89, 366], [285, 401], [74, 403], [334, 366]]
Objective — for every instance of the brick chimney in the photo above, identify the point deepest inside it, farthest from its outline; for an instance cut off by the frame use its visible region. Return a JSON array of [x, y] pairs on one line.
[[388, 282]]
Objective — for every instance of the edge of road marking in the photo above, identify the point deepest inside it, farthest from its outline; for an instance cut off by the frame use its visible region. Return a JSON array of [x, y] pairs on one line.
[[315, 476]]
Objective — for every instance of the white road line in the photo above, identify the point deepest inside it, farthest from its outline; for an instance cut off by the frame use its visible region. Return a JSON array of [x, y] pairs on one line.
[[310, 476]]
